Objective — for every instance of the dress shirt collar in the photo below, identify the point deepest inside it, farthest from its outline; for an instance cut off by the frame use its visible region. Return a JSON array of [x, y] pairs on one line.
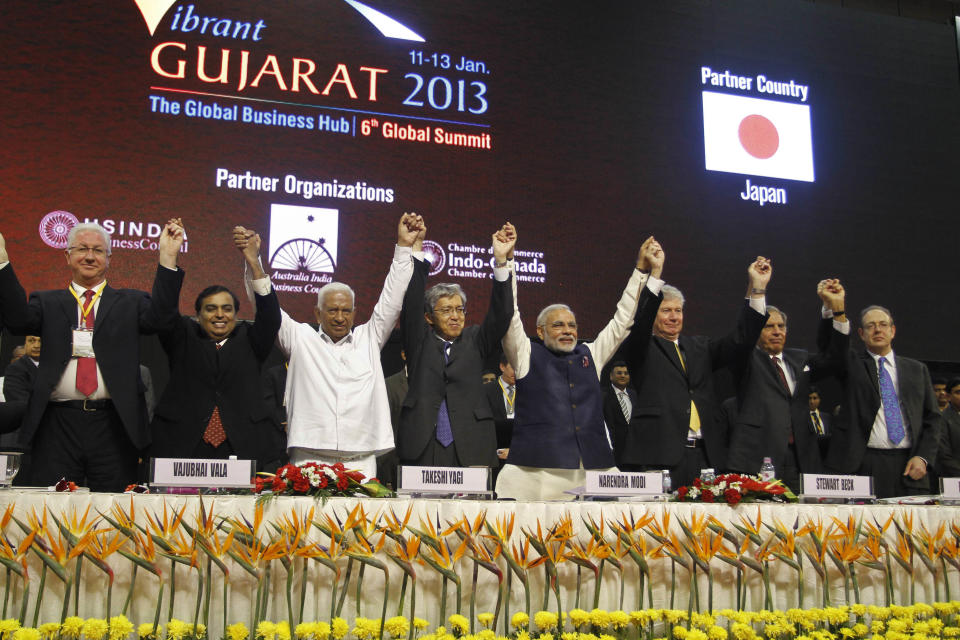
[[347, 339], [891, 361], [79, 288]]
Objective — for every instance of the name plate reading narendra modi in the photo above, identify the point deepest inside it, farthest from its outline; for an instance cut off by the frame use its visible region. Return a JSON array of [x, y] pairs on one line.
[[445, 479], [837, 486], [198, 472], [620, 483]]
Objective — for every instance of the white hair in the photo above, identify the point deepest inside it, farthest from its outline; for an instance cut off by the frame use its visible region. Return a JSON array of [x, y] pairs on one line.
[[335, 287], [547, 310], [88, 226], [672, 293]]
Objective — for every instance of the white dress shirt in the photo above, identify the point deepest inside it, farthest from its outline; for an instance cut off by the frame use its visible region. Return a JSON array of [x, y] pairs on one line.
[[66, 388], [878, 435], [336, 395]]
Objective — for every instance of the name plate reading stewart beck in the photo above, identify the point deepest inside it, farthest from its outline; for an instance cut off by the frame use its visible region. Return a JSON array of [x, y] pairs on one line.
[[444, 479], [198, 472], [618, 483], [837, 486]]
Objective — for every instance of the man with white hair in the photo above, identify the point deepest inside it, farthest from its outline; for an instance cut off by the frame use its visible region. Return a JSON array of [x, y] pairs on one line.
[[86, 419], [674, 423], [337, 404], [558, 429]]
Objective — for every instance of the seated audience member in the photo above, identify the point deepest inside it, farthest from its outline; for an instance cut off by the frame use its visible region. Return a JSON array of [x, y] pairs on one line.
[[86, 419], [940, 389], [18, 352], [488, 377], [502, 397], [619, 399], [558, 431], [675, 426], [948, 457], [819, 421], [889, 425], [337, 405], [213, 406], [773, 414], [446, 420]]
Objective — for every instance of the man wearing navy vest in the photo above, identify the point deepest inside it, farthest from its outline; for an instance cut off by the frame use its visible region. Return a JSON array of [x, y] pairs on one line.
[[558, 427]]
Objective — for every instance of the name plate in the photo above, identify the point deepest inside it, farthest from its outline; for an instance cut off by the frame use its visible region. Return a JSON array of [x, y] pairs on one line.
[[620, 483], [198, 472], [445, 479], [951, 488], [837, 486]]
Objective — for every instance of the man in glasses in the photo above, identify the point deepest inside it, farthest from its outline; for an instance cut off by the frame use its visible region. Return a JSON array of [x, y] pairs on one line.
[[446, 419], [86, 420]]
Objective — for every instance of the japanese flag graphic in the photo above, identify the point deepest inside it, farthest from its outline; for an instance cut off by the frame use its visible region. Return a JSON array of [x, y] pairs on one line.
[[757, 137]]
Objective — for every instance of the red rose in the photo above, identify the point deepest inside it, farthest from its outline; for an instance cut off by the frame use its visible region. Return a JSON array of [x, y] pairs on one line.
[[278, 484], [697, 483], [342, 483], [323, 481], [707, 496], [682, 492], [732, 497], [301, 485]]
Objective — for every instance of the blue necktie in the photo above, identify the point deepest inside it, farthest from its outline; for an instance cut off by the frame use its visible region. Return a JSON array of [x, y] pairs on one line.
[[444, 432], [891, 405]]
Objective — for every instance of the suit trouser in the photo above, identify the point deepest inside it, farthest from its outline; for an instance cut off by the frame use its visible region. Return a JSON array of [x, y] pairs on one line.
[[886, 467], [90, 448]]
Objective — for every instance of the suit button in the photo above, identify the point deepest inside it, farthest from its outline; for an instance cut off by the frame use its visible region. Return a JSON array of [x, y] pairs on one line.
[[571, 385], [573, 406], [576, 428]]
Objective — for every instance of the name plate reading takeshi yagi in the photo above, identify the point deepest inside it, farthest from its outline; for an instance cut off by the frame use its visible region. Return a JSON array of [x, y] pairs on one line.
[[837, 486], [619, 483], [445, 479], [951, 488], [198, 472]]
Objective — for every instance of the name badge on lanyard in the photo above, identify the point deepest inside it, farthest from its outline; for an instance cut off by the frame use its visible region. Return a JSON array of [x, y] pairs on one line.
[[83, 343]]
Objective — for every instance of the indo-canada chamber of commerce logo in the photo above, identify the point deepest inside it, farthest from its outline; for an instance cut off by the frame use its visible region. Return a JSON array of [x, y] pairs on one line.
[[303, 239], [435, 255], [55, 227]]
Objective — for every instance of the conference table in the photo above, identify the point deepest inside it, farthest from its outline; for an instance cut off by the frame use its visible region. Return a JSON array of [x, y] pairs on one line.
[[756, 555]]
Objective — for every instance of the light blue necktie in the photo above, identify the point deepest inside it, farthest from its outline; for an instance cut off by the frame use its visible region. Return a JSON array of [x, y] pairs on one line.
[[891, 404], [444, 432]]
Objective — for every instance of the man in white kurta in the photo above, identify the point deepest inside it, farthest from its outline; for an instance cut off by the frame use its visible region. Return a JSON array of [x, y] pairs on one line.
[[336, 396]]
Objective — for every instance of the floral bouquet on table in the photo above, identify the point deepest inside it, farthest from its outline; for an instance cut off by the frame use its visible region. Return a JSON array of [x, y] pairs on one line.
[[733, 489], [320, 480]]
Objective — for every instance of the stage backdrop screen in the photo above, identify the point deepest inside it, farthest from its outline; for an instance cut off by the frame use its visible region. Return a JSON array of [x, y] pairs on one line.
[[822, 138]]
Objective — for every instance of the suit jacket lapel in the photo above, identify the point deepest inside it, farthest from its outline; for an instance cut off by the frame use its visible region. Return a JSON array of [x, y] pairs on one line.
[[670, 351], [68, 304], [107, 300]]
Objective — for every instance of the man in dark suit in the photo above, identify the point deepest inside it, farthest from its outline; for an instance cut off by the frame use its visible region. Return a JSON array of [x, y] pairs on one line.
[[87, 419], [619, 398], [17, 385], [446, 419], [213, 406], [773, 416], [889, 425], [819, 421], [948, 457], [674, 424], [502, 396], [397, 386]]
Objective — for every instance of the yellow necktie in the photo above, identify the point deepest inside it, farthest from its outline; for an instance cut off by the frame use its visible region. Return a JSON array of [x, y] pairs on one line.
[[694, 415]]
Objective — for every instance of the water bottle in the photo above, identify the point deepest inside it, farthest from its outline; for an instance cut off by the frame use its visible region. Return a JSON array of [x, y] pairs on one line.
[[667, 484], [767, 472], [707, 476]]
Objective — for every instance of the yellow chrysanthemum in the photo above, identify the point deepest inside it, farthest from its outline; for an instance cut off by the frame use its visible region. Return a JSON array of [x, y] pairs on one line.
[[397, 626], [679, 633], [606, 636], [146, 630], [459, 623], [26, 633], [49, 630], [71, 627], [950, 632], [94, 628], [486, 634], [673, 616], [304, 630], [717, 633], [420, 624], [283, 630], [119, 627], [545, 620], [578, 618], [238, 631], [743, 631], [640, 618], [338, 628], [545, 636], [619, 620], [266, 630], [485, 619], [178, 629], [523, 634], [696, 634], [9, 626], [599, 618]]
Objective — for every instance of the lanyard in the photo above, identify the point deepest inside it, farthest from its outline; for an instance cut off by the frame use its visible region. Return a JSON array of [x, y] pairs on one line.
[[85, 310]]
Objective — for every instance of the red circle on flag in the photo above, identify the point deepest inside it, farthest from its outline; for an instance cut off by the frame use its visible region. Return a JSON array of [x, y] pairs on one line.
[[758, 136]]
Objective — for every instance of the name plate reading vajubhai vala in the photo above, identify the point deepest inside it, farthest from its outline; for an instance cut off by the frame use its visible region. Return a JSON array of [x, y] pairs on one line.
[[445, 479], [837, 486], [198, 472]]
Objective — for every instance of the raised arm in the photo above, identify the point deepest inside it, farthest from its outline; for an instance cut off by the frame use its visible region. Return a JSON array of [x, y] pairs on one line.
[[387, 310], [266, 323], [734, 348], [162, 311], [833, 333], [497, 320], [17, 315]]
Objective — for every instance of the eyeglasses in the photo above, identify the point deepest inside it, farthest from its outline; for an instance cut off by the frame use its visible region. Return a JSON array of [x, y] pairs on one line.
[[883, 324], [449, 311], [98, 252]]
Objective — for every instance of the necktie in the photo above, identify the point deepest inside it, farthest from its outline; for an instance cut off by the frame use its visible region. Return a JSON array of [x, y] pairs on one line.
[[214, 435], [444, 431], [817, 425], [511, 393], [622, 397], [694, 414], [891, 404], [87, 367], [779, 368]]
